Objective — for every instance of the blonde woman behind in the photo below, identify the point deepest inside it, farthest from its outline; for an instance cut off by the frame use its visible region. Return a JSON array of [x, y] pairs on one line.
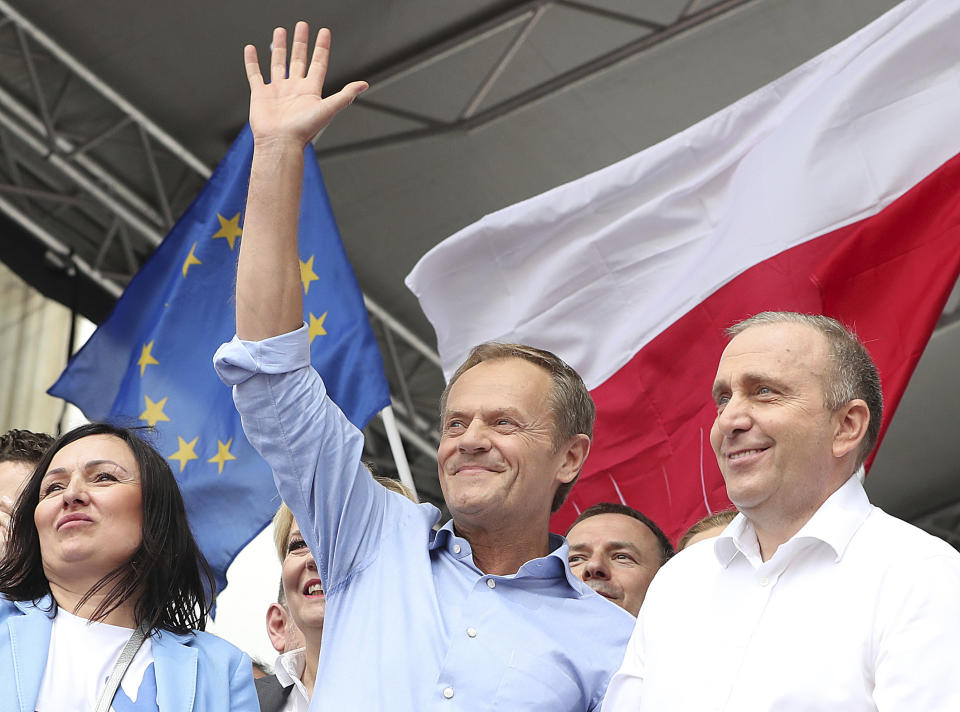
[[295, 622], [707, 528]]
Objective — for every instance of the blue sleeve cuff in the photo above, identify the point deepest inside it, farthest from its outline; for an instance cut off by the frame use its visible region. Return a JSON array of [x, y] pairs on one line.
[[238, 360]]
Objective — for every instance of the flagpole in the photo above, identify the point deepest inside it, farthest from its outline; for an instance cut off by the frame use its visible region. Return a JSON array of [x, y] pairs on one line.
[[396, 447]]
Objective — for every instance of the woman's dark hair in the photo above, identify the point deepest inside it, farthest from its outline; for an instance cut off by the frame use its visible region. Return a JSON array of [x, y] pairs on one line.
[[172, 581]]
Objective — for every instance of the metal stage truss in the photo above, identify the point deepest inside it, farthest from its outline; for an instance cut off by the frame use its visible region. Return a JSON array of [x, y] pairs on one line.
[[99, 184]]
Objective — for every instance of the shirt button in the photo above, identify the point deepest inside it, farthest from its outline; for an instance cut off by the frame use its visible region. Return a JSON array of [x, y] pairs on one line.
[[448, 692], [456, 548], [472, 632], [491, 583], [764, 581]]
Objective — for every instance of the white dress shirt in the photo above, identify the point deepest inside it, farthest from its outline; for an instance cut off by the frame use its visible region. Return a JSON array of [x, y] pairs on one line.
[[289, 669], [857, 611]]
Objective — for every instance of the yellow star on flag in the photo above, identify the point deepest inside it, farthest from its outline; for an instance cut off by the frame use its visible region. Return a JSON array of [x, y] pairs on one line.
[[223, 454], [146, 358], [316, 326], [307, 274], [185, 451], [154, 412], [191, 260], [229, 229]]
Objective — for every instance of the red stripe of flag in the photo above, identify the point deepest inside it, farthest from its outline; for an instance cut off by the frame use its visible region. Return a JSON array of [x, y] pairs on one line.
[[888, 276]]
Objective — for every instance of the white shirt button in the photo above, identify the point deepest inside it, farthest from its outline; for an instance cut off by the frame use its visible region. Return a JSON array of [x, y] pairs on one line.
[[456, 549], [764, 581], [491, 583], [448, 692], [472, 632]]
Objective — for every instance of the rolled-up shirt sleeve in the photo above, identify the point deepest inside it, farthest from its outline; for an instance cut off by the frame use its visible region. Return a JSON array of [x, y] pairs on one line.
[[313, 450]]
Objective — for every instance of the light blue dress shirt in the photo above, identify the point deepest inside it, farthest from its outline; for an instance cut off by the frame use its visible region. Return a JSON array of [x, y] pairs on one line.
[[411, 623]]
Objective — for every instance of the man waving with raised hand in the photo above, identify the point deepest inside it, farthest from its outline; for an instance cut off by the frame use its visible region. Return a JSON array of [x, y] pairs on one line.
[[483, 614]]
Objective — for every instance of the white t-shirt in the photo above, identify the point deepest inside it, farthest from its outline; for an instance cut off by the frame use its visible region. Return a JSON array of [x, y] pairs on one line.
[[81, 658]]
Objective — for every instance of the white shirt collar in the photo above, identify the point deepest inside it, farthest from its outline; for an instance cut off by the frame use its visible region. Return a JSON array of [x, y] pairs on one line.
[[834, 524], [289, 667]]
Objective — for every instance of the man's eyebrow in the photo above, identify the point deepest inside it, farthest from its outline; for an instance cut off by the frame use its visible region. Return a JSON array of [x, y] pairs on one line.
[[506, 410], [622, 545], [492, 413], [719, 386], [753, 378], [607, 545]]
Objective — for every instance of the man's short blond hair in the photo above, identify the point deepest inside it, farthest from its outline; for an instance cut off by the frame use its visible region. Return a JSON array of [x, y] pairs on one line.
[[572, 407]]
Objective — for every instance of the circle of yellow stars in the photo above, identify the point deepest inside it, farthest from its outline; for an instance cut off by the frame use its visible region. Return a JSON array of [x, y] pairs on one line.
[[153, 412]]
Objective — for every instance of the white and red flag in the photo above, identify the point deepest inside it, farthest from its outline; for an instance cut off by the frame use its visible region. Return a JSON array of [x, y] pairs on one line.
[[835, 190]]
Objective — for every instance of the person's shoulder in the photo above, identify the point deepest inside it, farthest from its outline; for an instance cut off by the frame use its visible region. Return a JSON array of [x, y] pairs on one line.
[[686, 579], [207, 644], [695, 560], [267, 682], [209, 641], [9, 609], [601, 608], [270, 693], [886, 534]]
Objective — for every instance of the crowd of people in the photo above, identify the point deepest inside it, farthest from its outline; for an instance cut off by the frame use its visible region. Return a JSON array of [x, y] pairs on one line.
[[803, 597]]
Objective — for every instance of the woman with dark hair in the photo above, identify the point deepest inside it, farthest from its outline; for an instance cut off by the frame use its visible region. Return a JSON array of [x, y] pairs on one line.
[[104, 591]]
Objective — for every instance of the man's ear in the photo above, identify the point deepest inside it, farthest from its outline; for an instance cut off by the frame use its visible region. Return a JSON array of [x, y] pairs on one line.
[[574, 455], [852, 421], [277, 626]]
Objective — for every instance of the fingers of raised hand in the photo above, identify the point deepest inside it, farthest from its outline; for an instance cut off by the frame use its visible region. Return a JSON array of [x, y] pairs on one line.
[[321, 56], [278, 55], [298, 53], [252, 64]]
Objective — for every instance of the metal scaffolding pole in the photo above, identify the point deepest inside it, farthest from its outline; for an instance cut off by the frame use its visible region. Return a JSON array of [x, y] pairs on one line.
[[89, 187]]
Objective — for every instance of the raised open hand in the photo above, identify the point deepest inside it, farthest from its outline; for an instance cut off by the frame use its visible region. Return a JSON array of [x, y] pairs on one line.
[[291, 107]]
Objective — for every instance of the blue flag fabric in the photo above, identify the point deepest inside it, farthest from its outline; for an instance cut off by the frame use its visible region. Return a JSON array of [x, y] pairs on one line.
[[150, 362]]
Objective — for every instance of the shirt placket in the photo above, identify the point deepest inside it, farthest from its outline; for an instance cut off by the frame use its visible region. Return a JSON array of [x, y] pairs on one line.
[[763, 582]]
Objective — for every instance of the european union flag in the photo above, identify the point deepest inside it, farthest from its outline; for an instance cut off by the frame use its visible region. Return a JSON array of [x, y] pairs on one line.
[[151, 361]]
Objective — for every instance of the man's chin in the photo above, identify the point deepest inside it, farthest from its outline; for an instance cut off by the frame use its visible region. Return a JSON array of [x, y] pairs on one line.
[[479, 509]]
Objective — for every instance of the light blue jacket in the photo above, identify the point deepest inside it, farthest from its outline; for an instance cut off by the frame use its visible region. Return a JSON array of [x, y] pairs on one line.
[[195, 673]]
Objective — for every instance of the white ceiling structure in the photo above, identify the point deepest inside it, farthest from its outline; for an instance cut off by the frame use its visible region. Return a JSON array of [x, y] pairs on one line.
[[112, 114]]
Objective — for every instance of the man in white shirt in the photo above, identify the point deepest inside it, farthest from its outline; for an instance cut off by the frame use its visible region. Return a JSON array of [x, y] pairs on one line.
[[812, 599]]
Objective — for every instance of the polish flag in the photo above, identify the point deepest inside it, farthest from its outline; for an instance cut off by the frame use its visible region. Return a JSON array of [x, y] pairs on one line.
[[835, 190]]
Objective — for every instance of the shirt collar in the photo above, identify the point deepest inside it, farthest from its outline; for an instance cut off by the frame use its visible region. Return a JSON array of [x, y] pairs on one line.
[[553, 565], [834, 524], [289, 666]]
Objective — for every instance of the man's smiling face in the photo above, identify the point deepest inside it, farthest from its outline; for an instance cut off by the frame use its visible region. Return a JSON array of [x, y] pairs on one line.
[[773, 435], [497, 458]]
